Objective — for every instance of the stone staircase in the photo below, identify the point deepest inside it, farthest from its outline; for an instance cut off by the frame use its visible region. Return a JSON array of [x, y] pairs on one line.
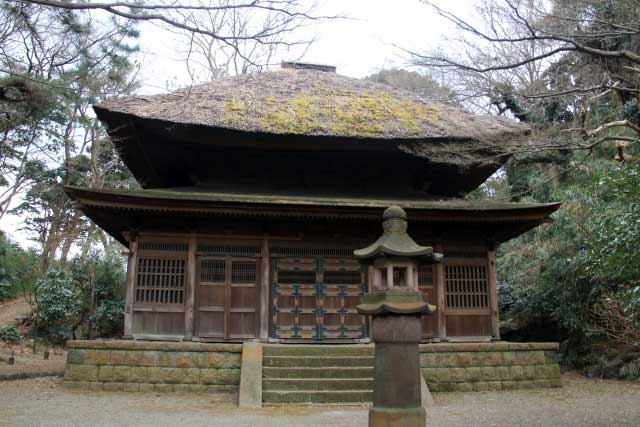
[[317, 374]]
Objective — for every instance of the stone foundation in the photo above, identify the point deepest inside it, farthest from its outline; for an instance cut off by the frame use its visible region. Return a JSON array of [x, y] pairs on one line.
[[215, 368], [489, 366], [153, 366]]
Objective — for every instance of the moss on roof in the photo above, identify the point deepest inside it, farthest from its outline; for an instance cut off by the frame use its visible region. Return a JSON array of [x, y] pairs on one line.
[[310, 102]]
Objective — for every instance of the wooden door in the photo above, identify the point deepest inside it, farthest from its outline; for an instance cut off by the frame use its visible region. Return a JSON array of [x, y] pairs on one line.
[[426, 275], [314, 298], [227, 298]]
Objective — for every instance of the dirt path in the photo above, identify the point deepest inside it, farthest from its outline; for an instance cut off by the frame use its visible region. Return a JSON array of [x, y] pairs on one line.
[[580, 403], [27, 364], [11, 309]]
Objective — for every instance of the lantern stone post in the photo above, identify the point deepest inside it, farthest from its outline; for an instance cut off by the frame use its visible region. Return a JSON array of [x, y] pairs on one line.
[[395, 305]]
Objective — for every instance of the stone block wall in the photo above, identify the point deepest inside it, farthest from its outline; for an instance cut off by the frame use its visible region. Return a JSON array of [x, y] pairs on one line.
[[215, 368], [153, 366], [489, 366]]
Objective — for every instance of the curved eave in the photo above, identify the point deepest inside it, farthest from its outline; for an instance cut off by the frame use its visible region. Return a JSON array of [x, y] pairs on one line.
[[105, 206]]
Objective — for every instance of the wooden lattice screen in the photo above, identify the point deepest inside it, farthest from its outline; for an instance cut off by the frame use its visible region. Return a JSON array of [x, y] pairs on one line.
[[160, 280], [466, 284], [208, 247]]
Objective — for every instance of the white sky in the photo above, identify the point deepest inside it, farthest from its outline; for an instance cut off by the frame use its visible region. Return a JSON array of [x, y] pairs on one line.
[[358, 47]]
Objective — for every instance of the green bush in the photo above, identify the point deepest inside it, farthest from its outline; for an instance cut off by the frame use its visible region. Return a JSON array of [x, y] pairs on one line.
[[19, 269], [5, 285], [60, 304], [10, 334], [81, 298], [103, 279], [566, 271]]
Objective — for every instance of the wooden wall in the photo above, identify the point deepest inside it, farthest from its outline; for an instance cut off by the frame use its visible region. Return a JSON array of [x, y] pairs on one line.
[[207, 287]]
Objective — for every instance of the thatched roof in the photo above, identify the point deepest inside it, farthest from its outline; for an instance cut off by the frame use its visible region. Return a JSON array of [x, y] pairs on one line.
[[316, 103]]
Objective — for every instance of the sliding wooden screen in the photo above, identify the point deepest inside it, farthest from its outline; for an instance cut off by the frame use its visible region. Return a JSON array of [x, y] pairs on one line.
[[227, 291], [159, 288], [467, 295]]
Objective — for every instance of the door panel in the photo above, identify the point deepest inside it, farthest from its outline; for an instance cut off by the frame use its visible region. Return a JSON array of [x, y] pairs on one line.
[[227, 297], [210, 308], [315, 298], [426, 284]]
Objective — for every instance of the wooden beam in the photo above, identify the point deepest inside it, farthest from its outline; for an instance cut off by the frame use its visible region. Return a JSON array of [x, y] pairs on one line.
[[129, 289], [441, 325], [190, 290], [264, 292], [227, 296], [493, 294]]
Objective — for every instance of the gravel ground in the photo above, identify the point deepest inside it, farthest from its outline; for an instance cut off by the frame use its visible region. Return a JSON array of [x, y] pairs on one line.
[[581, 402], [29, 365]]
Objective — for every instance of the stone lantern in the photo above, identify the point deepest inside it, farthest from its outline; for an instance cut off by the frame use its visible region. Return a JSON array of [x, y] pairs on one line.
[[395, 305]]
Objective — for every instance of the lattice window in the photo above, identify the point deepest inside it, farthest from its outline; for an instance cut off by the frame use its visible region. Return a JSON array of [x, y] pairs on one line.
[[465, 254], [425, 276], [467, 286], [160, 280], [399, 276], [244, 272], [311, 251], [157, 246], [228, 248], [212, 270]]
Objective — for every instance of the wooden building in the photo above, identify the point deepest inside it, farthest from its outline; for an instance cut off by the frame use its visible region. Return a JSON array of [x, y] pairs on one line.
[[257, 189]]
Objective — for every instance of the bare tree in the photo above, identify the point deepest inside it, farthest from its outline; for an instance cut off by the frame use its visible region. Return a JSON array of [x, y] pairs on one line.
[[54, 64], [549, 61], [211, 58], [247, 31]]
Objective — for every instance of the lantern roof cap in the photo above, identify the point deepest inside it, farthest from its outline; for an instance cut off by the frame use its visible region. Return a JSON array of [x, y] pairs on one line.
[[395, 241]]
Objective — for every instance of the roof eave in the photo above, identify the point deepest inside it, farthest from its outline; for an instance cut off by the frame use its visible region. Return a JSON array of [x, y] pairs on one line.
[[107, 199]]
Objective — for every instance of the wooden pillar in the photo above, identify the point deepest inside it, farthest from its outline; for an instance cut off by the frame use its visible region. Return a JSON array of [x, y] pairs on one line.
[[129, 288], [264, 292], [190, 291], [441, 320], [493, 294]]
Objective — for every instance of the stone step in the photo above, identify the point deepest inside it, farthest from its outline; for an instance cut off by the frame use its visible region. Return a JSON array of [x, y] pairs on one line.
[[324, 384], [307, 361], [318, 350], [317, 372], [334, 397]]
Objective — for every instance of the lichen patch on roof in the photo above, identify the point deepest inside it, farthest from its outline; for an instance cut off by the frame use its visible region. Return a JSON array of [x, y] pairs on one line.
[[368, 114]]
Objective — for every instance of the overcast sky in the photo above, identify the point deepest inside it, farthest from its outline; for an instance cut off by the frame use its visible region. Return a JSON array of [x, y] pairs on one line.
[[370, 41]]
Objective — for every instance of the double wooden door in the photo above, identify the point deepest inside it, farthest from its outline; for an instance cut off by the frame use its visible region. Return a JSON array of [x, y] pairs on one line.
[[227, 298], [315, 298]]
